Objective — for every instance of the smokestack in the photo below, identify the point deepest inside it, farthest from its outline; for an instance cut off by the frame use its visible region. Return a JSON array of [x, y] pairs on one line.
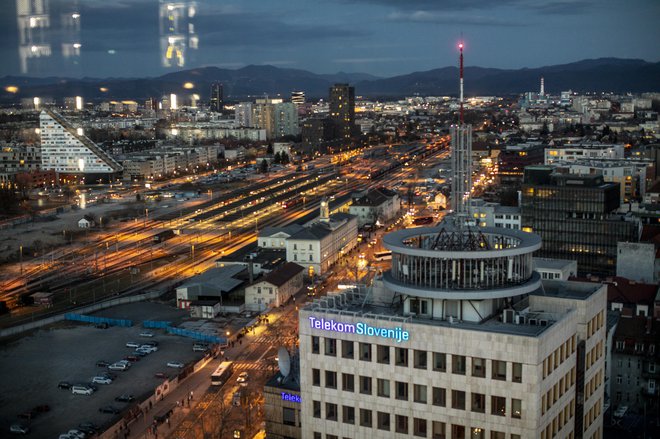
[[542, 93], [460, 99]]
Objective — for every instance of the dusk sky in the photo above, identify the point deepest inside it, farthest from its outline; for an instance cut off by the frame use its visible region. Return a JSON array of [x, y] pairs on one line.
[[381, 37]]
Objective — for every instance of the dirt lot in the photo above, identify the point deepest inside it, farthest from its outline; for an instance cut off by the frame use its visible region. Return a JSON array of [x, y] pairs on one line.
[[31, 368]]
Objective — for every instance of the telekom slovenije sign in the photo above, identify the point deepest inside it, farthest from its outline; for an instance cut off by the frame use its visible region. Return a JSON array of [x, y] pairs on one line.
[[360, 328]]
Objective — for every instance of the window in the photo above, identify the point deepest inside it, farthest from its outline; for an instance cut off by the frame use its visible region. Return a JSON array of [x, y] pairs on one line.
[[315, 344], [438, 430], [477, 433], [346, 349], [439, 396], [517, 372], [383, 421], [288, 416], [365, 385], [401, 424], [419, 393], [439, 362], [330, 346], [316, 407], [365, 418], [401, 357], [499, 370], [330, 411], [458, 399], [478, 367], [348, 414], [316, 377], [498, 435], [619, 379], [419, 427], [347, 382], [383, 354], [383, 387], [330, 379], [479, 402], [498, 405], [458, 364], [310, 246], [516, 408], [317, 435], [311, 258], [401, 390], [457, 431], [419, 359], [365, 352]]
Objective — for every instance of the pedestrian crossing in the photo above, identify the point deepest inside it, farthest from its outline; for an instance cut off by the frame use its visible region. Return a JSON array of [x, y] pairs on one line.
[[252, 365], [273, 341]]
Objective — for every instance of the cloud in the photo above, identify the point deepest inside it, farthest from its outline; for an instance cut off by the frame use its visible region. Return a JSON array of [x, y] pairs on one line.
[[451, 18], [554, 7]]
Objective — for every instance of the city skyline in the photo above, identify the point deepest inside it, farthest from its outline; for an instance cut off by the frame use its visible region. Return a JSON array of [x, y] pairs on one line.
[[380, 37]]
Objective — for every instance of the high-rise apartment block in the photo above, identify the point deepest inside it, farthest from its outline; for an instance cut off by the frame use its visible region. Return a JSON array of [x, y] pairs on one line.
[[462, 340], [66, 150], [342, 110]]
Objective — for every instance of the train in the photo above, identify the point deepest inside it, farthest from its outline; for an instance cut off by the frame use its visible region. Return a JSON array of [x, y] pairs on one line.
[[163, 236], [286, 204]]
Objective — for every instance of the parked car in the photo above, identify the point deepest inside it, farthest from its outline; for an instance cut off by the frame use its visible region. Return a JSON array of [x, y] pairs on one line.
[[64, 385], [175, 364], [118, 366], [150, 343], [77, 434], [19, 429], [146, 334], [132, 344], [102, 363], [132, 358], [109, 409], [125, 398], [101, 380], [160, 375], [148, 347], [88, 426], [139, 353]]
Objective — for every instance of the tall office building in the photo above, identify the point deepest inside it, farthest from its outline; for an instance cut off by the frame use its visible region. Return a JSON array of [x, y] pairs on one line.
[[48, 36], [217, 100], [342, 111], [178, 37], [66, 150], [460, 340], [276, 117], [574, 215]]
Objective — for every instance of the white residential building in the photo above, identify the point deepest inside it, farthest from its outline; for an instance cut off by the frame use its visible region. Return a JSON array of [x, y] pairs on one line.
[[572, 153], [555, 269], [65, 149], [275, 288], [376, 205]]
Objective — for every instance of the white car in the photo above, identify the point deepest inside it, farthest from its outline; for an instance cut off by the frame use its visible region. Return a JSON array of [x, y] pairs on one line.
[[19, 429], [100, 380], [243, 379], [175, 364], [146, 334], [77, 433], [132, 344], [148, 347]]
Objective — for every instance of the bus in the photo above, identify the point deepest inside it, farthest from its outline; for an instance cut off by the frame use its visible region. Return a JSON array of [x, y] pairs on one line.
[[222, 373], [383, 256]]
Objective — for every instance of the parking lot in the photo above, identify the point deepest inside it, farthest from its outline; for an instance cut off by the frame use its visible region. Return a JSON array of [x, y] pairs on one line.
[[32, 367]]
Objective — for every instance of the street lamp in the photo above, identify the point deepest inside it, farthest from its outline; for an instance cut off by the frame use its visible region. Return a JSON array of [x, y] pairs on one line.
[[21, 258]]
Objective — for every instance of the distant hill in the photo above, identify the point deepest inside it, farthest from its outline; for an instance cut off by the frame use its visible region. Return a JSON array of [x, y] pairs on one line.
[[604, 74]]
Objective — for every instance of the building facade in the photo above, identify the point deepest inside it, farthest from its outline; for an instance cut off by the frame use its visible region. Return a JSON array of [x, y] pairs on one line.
[[342, 111], [66, 150], [574, 216], [275, 289], [465, 357]]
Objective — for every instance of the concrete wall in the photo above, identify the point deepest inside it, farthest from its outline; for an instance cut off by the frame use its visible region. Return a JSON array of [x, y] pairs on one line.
[[636, 261]]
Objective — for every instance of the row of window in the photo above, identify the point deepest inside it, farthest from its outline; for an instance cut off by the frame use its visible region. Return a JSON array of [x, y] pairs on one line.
[[594, 354], [420, 359], [564, 351], [557, 391], [477, 401], [593, 384], [421, 428], [563, 417], [591, 415], [595, 323]]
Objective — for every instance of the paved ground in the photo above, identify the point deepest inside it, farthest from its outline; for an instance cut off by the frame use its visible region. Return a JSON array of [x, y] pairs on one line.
[[31, 368]]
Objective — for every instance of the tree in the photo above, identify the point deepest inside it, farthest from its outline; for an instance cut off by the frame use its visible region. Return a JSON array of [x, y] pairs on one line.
[[8, 200], [277, 159], [284, 158], [269, 149], [263, 167]]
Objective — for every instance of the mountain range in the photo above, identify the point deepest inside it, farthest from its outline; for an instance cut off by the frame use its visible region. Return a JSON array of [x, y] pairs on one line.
[[594, 75]]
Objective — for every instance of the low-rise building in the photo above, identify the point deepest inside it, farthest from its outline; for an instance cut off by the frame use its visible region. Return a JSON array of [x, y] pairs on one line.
[[377, 205], [212, 285], [275, 288], [557, 269]]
